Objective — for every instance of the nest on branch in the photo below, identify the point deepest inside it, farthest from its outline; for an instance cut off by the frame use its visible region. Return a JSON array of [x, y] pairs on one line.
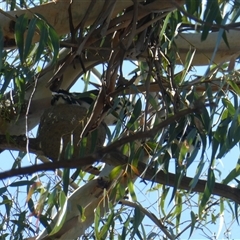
[[60, 129]]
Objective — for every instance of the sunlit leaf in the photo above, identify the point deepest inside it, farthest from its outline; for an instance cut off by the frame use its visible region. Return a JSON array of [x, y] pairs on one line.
[[82, 216], [234, 86], [178, 209], [97, 217], [229, 106], [63, 213], [131, 191], [104, 230], [115, 173], [32, 189]]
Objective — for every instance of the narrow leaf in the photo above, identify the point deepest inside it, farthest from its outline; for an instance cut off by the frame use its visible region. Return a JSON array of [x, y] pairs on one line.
[[20, 28], [63, 213]]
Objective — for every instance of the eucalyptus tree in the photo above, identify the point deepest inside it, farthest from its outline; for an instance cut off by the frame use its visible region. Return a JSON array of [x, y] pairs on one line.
[[172, 122]]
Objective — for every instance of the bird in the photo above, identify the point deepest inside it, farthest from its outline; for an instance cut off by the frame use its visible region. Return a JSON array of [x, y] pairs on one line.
[[64, 122], [86, 100]]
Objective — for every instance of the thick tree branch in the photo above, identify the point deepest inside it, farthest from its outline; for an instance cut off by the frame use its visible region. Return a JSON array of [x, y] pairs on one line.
[[149, 174], [116, 159], [57, 15]]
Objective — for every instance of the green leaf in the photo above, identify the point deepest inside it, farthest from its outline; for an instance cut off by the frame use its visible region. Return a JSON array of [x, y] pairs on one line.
[[233, 174], [163, 200], [20, 28], [83, 146], [48, 37], [75, 174], [136, 113], [212, 13], [193, 222], [82, 216], [43, 38], [207, 191], [69, 150], [44, 221], [194, 7], [228, 105], [197, 175], [20, 84], [115, 173], [131, 191], [52, 197], [106, 226], [137, 220], [3, 190], [234, 86], [8, 76], [8, 204], [190, 159], [53, 43], [97, 217], [30, 34], [187, 64], [236, 208], [21, 183], [178, 209], [63, 200], [65, 178], [1, 48], [165, 25]]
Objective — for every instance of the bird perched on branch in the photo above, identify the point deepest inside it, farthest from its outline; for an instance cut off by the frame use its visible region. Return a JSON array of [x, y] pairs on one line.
[[62, 124], [86, 100]]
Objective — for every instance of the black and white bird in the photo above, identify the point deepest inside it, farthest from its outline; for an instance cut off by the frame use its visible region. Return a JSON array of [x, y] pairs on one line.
[[87, 99]]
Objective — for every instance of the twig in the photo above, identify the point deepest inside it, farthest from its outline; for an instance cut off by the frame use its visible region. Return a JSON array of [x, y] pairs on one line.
[[157, 221]]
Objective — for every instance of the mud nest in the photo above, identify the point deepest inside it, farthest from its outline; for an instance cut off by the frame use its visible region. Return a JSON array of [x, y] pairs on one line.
[[59, 131]]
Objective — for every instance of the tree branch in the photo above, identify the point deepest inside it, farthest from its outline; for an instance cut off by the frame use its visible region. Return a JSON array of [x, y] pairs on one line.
[[118, 159]]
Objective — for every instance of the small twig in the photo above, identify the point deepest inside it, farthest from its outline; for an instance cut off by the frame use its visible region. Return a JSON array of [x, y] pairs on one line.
[[157, 221], [59, 172], [27, 112], [86, 15], [93, 120]]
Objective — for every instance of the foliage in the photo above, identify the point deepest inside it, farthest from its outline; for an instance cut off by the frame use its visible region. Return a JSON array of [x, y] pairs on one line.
[[181, 126]]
